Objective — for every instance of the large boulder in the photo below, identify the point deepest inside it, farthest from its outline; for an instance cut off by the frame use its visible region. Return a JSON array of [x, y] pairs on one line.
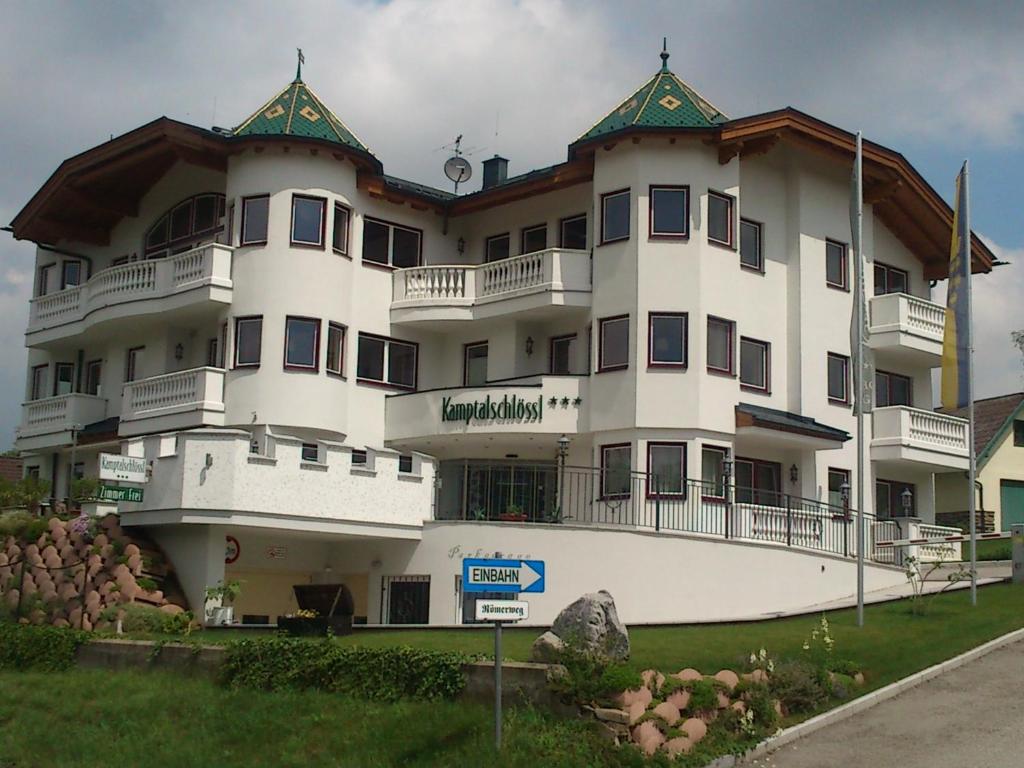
[[547, 648], [592, 624]]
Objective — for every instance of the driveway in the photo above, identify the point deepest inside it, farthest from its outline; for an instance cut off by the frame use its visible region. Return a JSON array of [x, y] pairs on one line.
[[972, 717]]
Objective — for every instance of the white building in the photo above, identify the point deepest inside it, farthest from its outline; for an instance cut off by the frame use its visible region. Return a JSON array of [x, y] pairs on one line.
[[352, 377]]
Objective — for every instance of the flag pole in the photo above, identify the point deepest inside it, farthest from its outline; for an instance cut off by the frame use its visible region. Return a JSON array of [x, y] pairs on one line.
[[859, 374], [972, 470]]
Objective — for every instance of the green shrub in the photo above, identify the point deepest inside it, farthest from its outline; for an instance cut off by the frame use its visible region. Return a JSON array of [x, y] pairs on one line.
[[147, 620], [762, 705], [799, 686], [844, 667], [22, 525], [703, 696], [617, 678], [25, 647], [387, 674], [147, 584]]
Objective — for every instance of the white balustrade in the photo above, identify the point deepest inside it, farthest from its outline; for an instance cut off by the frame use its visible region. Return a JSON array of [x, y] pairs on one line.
[[433, 283], [514, 274], [192, 389], [908, 314], [925, 317], [949, 551], [60, 414], [913, 427]]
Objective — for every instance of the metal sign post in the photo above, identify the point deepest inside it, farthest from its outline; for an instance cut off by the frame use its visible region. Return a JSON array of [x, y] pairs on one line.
[[508, 577]]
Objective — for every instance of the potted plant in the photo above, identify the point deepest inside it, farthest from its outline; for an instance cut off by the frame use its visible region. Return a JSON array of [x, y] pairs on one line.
[[223, 595], [84, 490], [30, 492], [513, 514]]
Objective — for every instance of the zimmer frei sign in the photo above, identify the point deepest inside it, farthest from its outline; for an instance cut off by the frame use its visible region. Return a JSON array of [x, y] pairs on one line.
[[508, 408]]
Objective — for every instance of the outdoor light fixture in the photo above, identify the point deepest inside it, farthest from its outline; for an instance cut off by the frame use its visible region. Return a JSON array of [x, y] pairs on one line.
[[794, 473], [461, 245], [726, 468], [908, 501], [254, 446], [529, 345], [563, 446], [844, 493], [179, 351]]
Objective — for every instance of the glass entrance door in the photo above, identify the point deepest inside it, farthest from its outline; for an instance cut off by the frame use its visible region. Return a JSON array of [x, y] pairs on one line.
[[500, 490]]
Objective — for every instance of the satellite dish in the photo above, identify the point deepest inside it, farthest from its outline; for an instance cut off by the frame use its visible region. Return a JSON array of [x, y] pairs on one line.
[[458, 169]]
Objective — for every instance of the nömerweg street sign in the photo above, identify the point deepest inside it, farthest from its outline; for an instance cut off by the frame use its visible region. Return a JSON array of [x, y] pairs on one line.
[[502, 610], [494, 575]]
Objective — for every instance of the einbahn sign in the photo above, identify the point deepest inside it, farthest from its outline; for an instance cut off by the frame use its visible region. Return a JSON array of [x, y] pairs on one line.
[[512, 576]]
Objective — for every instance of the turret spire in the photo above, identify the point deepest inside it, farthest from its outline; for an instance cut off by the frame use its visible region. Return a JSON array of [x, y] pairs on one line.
[[298, 69], [664, 55]]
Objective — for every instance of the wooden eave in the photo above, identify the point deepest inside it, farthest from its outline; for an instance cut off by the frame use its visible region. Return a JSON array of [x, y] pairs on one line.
[[376, 187], [363, 161], [559, 177], [744, 419]]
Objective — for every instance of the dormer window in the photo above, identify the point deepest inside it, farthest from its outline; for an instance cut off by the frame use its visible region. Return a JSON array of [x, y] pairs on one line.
[[188, 224]]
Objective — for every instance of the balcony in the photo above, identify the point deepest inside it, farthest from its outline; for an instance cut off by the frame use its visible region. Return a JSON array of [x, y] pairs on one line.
[[535, 282], [51, 421], [911, 437], [180, 400], [187, 281], [907, 330]]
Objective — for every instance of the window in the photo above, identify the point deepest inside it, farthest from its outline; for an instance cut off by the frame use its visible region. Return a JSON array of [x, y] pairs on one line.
[[391, 245], [534, 238], [573, 232], [670, 212], [44, 282], [336, 348], [308, 219], [615, 216], [890, 280], [93, 377], [892, 389], [563, 350], [758, 482], [890, 499], [248, 340], [613, 343], [474, 364], [32, 472], [616, 467], [838, 378], [720, 218], [302, 343], [837, 478], [132, 360], [386, 361], [359, 457], [342, 215], [666, 462], [310, 452], [213, 352], [755, 364], [835, 264], [405, 464], [63, 378], [666, 339], [186, 225], [37, 387], [720, 345], [255, 214], [750, 245], [712, 471], [1018, 433], [71, 274], [497, 247]]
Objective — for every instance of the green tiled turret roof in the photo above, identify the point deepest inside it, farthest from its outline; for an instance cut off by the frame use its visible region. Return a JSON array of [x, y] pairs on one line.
[[297, 111], [664, 101]]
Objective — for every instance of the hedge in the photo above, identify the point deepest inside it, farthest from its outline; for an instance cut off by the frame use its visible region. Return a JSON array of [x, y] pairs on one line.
[[386, 674], [24, 647]]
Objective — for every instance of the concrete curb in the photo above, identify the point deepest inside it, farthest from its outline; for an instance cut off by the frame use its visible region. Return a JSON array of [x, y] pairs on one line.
[[846, 711]]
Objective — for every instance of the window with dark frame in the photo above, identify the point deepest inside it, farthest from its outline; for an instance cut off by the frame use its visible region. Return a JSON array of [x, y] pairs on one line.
[[835, 265], [248, 341], [616, 471], [358, 458], [838, 378], [302, 343], [666, 467], [43, 279], [889, 499], [892, 389], [255, 216], [474, 364], [93, 377], [311, 452], [573, 232], [404, 463], [721, 354], [185, 226], [339, 239], [382, 360], [212, 352], [1018, 433], [563, 352], [37, 387], [758, 482], [751, 255], [534, 239], [837, 478], [670, 211], [335, 349], [755, 364], [71, 274], [890, 280], [63, 378], [667, 339], [615, 211], [391, 245], [497, 247], [712, 471], [309, 216], [131, 363], [613, 343], [720, 229]]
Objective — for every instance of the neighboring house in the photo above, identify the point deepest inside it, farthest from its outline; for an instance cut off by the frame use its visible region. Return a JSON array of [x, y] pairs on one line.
[[999, 443], [10, 468]]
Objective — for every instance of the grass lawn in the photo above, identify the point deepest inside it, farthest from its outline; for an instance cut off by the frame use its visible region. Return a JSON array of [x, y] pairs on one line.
[[992, 549]]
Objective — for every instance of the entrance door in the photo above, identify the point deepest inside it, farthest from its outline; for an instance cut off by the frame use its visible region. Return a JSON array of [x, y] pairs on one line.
[[1011, 500], [408, 599]]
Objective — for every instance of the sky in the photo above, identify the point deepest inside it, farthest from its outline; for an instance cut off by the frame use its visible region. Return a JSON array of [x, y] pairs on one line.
[[937, 81]]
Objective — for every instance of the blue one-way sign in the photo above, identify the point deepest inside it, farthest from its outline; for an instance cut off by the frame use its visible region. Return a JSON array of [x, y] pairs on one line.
[[491, 575]]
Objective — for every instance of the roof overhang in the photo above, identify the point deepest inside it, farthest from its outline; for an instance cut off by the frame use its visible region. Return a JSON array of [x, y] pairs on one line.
[[776, 426]]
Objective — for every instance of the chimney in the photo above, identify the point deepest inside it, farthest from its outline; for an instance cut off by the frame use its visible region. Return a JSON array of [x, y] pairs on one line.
[[495, 171]]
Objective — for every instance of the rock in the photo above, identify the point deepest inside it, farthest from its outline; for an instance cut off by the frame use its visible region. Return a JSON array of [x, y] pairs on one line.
[[636, 710], [172, 609], [109, 521], [739, 706], [723, 700], [54, 523], [859, 678], [679, 699], [759, 676], [694, 728], [547, 648], [653, 679], [101, 540], [668, 712], [61, 623], [688, 674], [643, 695], [610, 715], [729, 678], [648, 737], [677, 746], [593, 622], [779, 709]]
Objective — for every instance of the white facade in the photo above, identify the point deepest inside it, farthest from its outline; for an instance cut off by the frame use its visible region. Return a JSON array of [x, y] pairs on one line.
[[374, 484]]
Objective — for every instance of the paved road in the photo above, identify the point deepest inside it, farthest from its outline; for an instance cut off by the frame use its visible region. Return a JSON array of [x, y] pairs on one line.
[[972, 717]]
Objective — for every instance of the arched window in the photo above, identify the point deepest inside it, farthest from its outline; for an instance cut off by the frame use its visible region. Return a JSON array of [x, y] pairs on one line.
[[188, 224]]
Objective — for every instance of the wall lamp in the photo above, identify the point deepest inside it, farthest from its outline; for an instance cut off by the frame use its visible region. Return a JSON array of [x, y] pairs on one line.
[[461, 245], [908, 501], [529, 345], [794, 474], [179, 351]]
